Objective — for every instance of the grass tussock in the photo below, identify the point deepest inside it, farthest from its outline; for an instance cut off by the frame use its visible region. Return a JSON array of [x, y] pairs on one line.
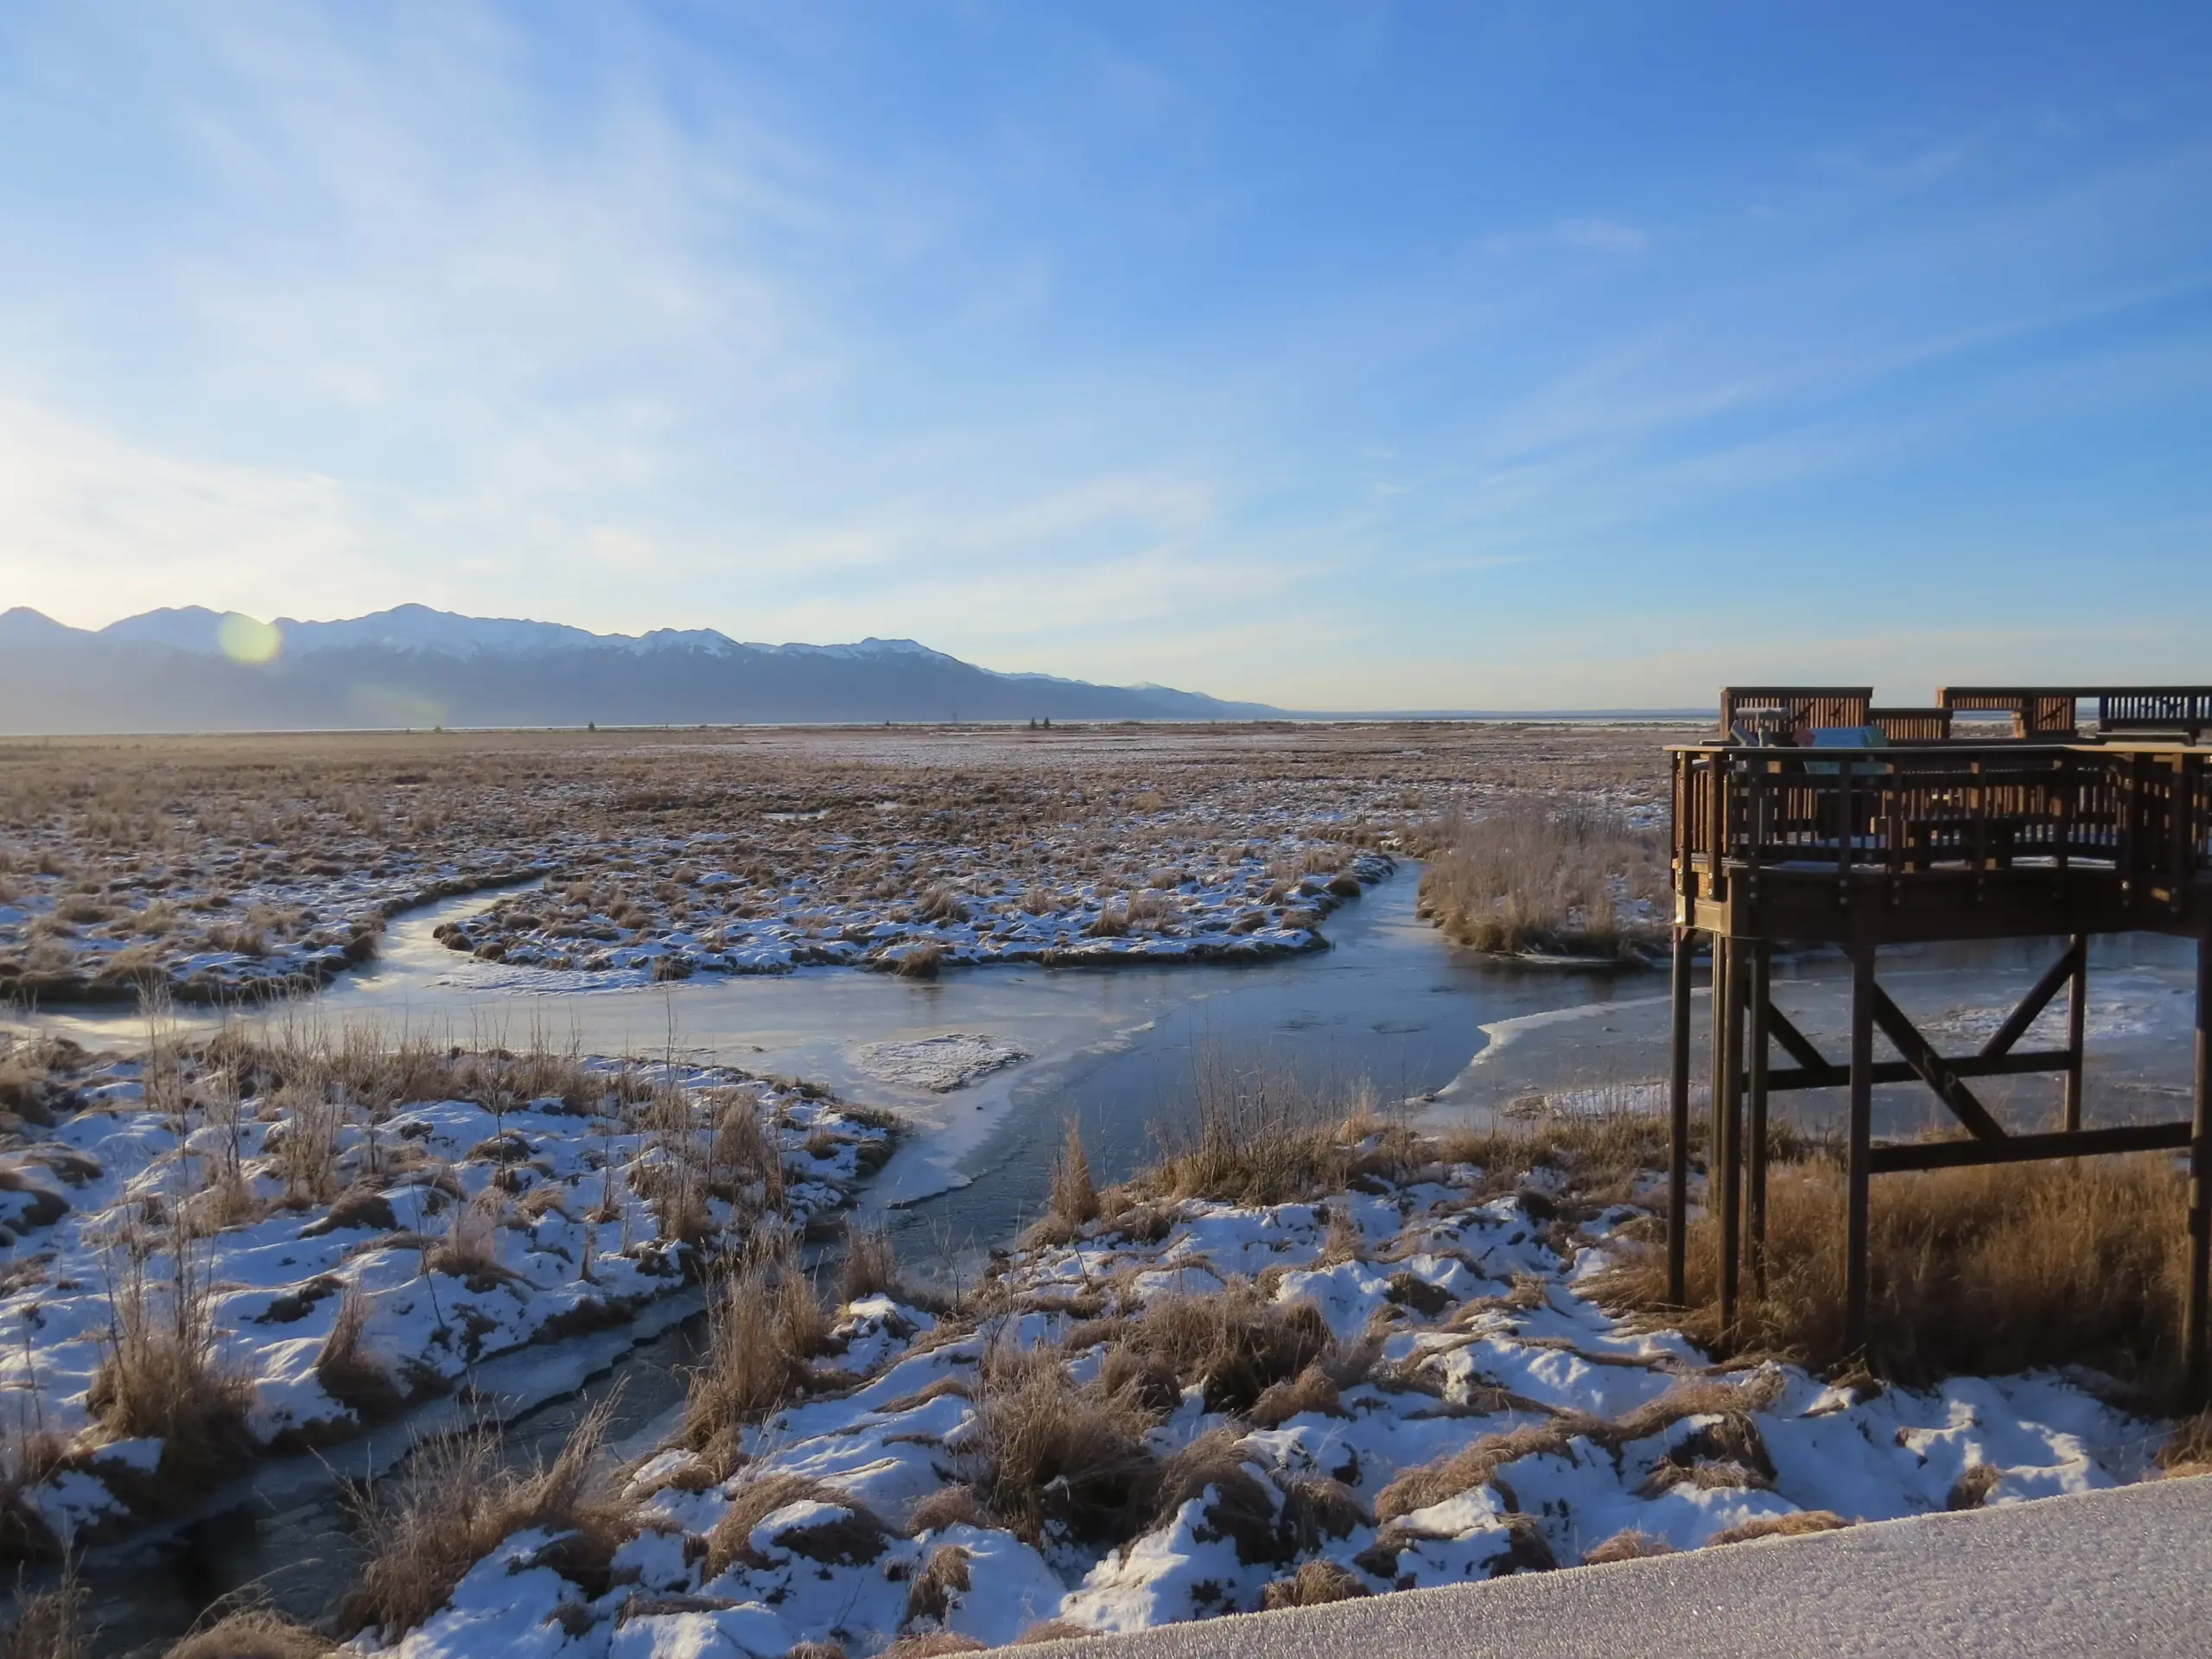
[[763, 1326], [459, 1501], [253, 1633], [1797, 1524], [1049, 1450], [1315, 1583], [1975, 1272], [1733, 1438], [857, 1536], [1071, 1201], [1263, 1136], [163, 1376], [870, 1267], [1236, 1346], [1544, 875]]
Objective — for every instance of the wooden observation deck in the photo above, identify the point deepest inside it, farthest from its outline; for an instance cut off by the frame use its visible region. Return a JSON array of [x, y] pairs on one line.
[[1816, 817]]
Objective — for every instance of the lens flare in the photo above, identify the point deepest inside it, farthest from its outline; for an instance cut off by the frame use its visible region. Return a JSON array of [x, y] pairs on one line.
[[246, 640]]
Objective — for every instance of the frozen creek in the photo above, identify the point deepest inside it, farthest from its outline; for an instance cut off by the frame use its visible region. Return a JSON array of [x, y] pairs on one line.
[[1389, 1005]]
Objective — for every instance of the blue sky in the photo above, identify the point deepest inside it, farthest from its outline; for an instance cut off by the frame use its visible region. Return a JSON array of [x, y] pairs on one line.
[[1349, 355]]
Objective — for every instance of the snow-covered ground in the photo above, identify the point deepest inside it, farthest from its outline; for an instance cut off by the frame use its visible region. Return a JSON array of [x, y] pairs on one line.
[[944, 906], [1422, 1393], [350, 1242]]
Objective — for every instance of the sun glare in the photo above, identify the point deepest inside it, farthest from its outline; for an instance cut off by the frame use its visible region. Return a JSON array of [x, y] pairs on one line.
[[245, 640]]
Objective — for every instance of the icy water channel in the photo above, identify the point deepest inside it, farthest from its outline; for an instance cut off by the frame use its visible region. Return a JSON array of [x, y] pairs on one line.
[[1391, 1007]]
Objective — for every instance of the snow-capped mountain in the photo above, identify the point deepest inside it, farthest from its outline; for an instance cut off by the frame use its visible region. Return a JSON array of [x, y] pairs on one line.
[[173, 670]]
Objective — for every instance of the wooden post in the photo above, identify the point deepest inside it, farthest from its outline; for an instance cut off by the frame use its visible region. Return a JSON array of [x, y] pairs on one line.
[[1861, 1139], [1719, 1059], [1762, 989], [2194, 1346], [1730, 1159], [1678, 1149], [2077, 1008]]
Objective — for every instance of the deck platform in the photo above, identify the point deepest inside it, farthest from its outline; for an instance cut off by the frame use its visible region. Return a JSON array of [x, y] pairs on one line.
[[1817, 818]]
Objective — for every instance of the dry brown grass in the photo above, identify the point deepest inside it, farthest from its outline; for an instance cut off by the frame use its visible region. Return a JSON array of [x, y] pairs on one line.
[[1535, 875], [163, 1375], [1476, 1465], [1235, 1344], [930, 1644], [1261, 1135], [253, 1633], [764, 1325], [931, 1593], [1315, 1583], [870, 1267], [347, 1374], [459, 1501], [858, 1535], [139, 825], [1050, 1450], [47, 1623], [1796, 1524], [1975, 1272], [1074, 1195], [1237, 1504], [1629, 1545]]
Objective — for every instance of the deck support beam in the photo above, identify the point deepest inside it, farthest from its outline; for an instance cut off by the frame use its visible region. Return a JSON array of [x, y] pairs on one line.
[[1678, 1139], [1732, 1141], [1859, 1160], [2197, 1363], [1762, 1012], [2077, 1009]]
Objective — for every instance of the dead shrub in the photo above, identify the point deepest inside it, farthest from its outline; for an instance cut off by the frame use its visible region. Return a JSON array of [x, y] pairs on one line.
[[459, 1502], [759, 1496], [1448, 1476], [1256, 1138], [1315, 1508], [469, 1248], [1976, 1272], [857, 1536]]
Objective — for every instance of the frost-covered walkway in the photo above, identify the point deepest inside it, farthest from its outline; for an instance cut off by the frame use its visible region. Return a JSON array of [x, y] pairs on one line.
[[2126, 1571]]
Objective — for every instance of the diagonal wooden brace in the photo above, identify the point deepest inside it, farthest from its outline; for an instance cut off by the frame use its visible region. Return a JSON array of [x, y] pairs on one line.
[[1920, 1054], [1799, 1047], [2016, 1023]]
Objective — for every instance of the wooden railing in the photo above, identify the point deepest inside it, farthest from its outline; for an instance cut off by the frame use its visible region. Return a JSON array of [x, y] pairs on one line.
[[2144, 814]]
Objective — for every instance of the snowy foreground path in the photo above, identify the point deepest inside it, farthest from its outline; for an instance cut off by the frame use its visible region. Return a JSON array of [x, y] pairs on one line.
[[2127, 1571]]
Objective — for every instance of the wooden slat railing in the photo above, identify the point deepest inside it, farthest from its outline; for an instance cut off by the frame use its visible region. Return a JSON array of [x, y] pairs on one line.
[[2144, 814]]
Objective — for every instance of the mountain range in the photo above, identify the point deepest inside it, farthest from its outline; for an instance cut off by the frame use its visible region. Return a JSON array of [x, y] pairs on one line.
[[191, 669]]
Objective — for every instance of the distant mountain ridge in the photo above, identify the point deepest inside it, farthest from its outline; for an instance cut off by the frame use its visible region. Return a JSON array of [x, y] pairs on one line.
[[184, 669]]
